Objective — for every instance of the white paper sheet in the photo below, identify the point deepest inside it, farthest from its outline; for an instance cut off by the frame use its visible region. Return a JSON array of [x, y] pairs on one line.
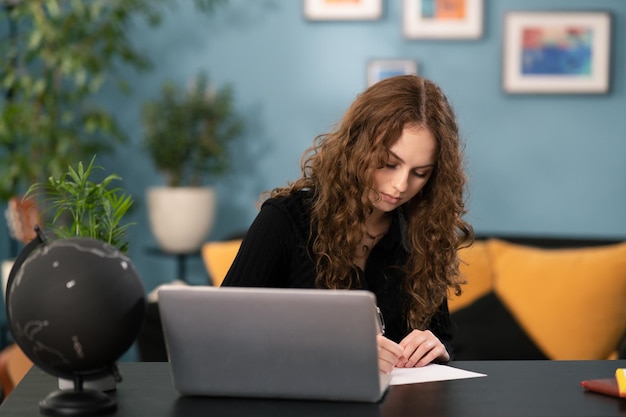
[[429, 373]]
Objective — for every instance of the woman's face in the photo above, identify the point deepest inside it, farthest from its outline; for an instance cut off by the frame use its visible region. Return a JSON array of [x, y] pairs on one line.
[[410, 164]]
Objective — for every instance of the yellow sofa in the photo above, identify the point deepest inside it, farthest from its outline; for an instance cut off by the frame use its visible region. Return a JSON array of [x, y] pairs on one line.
[[525, 298], [541, 298], [218, 256]]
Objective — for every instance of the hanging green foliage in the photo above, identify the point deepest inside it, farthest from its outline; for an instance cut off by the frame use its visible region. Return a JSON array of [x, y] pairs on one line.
[[55, 56]]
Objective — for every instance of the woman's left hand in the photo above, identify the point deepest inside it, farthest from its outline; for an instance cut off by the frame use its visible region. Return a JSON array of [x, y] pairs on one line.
[[421, 347]]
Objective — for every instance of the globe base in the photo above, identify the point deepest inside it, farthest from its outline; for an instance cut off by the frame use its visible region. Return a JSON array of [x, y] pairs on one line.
[[77, 403]]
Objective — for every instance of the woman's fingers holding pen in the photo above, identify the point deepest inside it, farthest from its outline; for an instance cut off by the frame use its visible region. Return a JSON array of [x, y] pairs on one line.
[[421, 348], [389, 354]]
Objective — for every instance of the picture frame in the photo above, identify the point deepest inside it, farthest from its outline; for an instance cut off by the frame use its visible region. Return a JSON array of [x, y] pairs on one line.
[[556, 52], [442, 19], [379, 69], [343, 9]]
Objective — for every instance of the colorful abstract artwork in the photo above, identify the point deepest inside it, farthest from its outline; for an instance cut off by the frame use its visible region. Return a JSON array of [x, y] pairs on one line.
[[443, 19], [444, 9], [562, 51]]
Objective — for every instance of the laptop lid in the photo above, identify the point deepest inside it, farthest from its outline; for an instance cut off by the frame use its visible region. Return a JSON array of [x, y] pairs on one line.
[[272, 343]]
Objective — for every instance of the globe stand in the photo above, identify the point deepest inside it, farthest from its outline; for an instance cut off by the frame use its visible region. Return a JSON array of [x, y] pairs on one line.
[[103, 381], [77, 402]]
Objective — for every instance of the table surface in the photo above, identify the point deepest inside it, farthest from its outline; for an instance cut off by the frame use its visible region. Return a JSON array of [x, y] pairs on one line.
[[511, 388]]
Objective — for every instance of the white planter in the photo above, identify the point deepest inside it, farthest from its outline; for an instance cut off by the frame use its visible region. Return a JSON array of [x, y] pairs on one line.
[[181, 217], [6, 270]]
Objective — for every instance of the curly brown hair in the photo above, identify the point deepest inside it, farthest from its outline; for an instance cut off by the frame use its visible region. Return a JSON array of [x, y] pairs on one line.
[[339, 168]]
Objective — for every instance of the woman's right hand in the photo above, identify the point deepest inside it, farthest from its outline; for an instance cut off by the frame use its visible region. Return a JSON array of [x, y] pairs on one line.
[[389, 352]]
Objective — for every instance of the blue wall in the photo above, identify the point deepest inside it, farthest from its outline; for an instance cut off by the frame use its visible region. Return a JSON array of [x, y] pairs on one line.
[[538, 164]]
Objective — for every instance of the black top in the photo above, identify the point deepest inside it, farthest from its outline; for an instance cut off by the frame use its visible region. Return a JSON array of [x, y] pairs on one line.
[[276, 253]]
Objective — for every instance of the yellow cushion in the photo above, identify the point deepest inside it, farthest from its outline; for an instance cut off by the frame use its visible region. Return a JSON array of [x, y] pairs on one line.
[[571, 302], [218, 256], [476, 269]]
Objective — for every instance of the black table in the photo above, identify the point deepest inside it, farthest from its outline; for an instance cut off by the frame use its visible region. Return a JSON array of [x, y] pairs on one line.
[[512, 388], [181, 260]]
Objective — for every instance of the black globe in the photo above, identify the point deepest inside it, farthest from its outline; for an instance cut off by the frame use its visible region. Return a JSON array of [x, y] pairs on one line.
[[75, 306]]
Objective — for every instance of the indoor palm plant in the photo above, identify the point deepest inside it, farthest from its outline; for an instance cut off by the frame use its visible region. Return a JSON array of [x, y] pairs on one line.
[[187, 136], [76, 206]]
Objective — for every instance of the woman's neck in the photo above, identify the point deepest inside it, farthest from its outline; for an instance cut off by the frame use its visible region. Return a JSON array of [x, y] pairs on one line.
[[376, 226], [377, 223]]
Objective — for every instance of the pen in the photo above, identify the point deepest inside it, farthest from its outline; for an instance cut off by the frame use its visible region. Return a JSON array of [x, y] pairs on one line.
[[381, 321]]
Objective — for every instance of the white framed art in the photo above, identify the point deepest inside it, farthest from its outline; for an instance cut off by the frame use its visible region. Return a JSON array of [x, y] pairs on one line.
[[379, 69], [343, 9], [556, 52]]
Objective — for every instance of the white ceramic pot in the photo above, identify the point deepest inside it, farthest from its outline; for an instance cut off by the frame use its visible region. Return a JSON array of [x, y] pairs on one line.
[[181, 217], [6, 271]]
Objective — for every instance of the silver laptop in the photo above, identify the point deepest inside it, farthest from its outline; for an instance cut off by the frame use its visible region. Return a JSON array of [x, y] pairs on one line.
[[272, 343]]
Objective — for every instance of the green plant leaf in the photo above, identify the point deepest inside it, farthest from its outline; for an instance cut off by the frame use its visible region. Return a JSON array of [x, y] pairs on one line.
[[82, 207], [187, 133]]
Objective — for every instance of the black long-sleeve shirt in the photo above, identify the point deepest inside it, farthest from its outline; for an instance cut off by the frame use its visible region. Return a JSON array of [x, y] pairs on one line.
[[276, 253]]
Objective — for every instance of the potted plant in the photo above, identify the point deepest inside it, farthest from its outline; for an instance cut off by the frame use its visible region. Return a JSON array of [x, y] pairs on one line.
[[57, 55], [187, 136], [81, 207]]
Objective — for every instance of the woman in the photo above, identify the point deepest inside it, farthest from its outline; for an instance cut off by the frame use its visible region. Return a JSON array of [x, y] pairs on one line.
[[379, 207]]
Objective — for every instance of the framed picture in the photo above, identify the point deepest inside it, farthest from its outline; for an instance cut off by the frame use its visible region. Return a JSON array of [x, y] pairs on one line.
[[442, 19], [556, 52], [379, 69], [343, 9]]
